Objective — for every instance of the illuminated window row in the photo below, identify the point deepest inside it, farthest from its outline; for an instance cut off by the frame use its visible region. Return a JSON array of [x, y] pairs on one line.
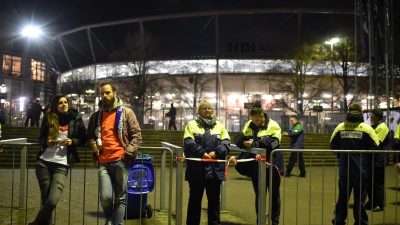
[[12, 65]]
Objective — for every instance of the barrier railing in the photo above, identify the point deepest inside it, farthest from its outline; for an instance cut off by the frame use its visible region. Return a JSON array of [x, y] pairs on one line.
[[27, 192], [323, 203], [179, 181], [82, 203]]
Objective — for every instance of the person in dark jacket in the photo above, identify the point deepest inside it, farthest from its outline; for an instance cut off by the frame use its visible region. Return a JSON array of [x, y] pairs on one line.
[[36, 112], [353, 134], [296, 135], [62, 130], [205, 138], [262, 132], [172, 117], [376, 187]]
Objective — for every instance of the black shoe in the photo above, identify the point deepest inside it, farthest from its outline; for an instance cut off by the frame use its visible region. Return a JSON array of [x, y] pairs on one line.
[[377, 209], [302, 175], [288, 175]]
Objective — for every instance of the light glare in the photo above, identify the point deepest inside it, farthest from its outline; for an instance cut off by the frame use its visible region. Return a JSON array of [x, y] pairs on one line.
[[31, 31]]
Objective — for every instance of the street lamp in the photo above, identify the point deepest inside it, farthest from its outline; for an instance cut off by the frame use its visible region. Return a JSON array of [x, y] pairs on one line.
[[31, 31], [332, 42]]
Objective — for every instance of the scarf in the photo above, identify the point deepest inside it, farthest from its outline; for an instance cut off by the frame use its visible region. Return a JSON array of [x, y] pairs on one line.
[[207, 122]]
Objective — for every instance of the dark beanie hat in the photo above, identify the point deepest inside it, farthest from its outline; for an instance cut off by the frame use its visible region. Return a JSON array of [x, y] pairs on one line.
[[377, 112]]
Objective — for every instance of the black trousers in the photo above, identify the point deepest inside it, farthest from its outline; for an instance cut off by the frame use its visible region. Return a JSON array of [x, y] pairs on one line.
[[296, 157], [376, 188], [196, 195], [345, 189], [276, 199], [171, 124]]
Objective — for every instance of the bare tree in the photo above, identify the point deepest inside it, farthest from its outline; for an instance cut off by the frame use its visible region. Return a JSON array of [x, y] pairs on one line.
[[342, 55], [139, 86], [297, 84]]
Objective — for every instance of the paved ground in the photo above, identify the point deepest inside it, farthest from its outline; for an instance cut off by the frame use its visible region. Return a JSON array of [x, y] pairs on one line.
[[307, 200]]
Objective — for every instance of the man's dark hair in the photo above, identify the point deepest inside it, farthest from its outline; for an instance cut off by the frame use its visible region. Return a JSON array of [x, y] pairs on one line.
[[256, 110], [108, 83], [378, 113], [355, 107], [294, 116]]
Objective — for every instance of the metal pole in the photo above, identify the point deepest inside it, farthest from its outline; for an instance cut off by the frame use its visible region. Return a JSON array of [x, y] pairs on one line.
[[369, 49], [355, 50], [179, 180], [217, 65], [162, 179], [262, 182], [22, 178]]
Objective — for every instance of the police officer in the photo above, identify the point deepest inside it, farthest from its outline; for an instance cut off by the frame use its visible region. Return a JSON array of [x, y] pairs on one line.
[[205, 138], [376, 187], [262, 132], [353, 134]]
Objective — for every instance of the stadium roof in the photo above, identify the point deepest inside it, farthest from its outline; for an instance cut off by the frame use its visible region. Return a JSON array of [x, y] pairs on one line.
[[81, 33]]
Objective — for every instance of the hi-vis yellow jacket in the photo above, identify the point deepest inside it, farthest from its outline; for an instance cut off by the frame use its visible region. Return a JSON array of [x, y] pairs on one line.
[[268, 137], [200, 138]]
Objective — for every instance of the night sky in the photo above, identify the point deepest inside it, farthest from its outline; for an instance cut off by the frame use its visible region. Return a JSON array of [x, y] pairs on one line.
[[271, 35]]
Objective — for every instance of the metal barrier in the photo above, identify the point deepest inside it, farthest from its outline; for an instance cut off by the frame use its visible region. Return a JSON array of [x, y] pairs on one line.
[[323, 203], [27, 210], [82, 194], [23, 181], [179, 181]]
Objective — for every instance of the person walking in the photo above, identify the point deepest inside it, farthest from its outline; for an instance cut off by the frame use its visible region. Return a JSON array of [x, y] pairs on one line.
[[353, 134], [262, 132], [376, 186], [296, 135], [36, 112], [114, 137], [61, 132], [205, 138], [172, 117], [29, 118]]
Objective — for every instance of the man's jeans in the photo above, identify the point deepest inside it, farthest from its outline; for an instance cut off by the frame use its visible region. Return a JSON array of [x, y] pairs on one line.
[[113, 182], [52, 178]]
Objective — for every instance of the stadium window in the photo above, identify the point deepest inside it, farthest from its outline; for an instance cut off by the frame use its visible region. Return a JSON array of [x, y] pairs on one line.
[[12, 65], [38, 70]]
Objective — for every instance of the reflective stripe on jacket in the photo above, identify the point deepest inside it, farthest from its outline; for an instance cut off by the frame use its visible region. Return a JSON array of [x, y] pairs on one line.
[[382, 131], [354, 136]]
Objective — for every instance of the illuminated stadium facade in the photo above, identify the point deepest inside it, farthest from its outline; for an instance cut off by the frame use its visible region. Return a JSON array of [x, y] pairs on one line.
[[240, 81]]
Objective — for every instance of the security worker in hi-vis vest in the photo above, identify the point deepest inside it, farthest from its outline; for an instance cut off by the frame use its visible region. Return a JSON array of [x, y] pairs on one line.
[[205, 138], [353, 134], [396, 146], [262, 132], [376, 187]]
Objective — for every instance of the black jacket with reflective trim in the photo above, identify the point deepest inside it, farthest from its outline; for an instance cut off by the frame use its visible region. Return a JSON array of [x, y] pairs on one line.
[[354, 134], [382, 130]]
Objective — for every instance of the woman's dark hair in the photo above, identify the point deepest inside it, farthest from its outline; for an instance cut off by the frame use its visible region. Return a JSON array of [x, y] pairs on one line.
[[54, 102]]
